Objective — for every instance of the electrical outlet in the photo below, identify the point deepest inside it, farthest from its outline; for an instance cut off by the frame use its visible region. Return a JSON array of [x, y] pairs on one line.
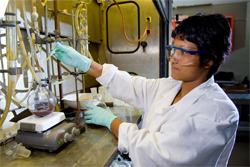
[[148, 31], [148, 19]]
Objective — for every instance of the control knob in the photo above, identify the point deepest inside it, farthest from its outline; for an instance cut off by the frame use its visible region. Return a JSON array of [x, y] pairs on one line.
[[75, 131], [67, 137]]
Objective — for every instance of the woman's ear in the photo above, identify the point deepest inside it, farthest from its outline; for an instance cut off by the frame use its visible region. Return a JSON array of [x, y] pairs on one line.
[[209, 64]]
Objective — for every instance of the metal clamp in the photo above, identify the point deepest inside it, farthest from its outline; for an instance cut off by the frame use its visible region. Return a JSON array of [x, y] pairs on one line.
[[76, 73], [9, 23], [79, 3], [12, 71]]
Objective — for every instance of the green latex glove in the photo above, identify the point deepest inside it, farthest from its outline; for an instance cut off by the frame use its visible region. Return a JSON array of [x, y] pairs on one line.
[[70, 56], [99, 116]]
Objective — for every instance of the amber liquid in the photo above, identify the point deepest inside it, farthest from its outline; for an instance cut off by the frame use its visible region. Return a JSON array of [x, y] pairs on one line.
[[84, 99], [43, 110]]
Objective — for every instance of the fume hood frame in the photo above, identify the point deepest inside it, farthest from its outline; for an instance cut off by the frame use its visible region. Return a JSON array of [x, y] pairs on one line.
[[164, 9], [107, 28]]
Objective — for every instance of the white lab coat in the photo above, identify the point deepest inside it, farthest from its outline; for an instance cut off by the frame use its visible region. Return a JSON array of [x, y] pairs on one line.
[[198, 130]]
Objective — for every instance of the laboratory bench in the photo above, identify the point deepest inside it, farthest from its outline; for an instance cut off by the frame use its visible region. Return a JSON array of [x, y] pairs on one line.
[[97, 146], [242, 102]]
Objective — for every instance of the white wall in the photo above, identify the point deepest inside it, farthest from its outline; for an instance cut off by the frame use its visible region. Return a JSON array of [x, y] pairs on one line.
[[238, 62], [200, 2]]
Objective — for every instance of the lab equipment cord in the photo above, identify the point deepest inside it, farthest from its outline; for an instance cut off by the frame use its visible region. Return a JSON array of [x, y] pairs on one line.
[[124, 30]]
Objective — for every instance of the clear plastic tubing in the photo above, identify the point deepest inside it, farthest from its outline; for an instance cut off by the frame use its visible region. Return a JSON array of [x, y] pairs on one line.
[[11, 56]]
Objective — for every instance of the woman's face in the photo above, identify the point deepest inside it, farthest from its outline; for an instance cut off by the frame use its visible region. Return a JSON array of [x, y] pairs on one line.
[[191, 72]]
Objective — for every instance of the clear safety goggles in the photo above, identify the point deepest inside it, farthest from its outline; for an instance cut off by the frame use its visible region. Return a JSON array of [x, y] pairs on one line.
[[182, 56]]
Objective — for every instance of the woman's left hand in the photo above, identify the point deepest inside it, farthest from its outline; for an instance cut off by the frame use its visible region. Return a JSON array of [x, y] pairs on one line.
[[99, 116]]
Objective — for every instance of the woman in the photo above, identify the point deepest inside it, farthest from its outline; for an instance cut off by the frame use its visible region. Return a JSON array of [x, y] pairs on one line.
[[188, 120]]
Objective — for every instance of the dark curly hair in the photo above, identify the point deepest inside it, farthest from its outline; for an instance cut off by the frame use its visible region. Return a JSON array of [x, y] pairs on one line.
[[208, 32]]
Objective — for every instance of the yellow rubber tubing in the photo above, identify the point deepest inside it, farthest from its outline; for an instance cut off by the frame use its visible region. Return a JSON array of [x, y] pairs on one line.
[[30, 87], [34, 48], [24, 52], [6, 110], [11, 56]]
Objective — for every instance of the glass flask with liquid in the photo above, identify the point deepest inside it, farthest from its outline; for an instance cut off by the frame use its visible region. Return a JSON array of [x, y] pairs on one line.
[[42, 102], [96, 100]]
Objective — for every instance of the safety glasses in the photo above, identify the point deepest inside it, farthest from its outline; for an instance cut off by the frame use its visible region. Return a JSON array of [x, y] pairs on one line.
[[182, 56]]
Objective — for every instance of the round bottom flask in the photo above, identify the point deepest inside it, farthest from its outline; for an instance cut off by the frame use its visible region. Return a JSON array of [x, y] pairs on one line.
[[42, 102]]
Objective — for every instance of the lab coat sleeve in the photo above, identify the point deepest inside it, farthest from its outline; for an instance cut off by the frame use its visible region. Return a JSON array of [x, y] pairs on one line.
[[136, 91], [186, 142]]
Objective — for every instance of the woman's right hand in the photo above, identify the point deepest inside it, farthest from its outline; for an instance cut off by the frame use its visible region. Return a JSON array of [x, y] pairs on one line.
[[70, 56]]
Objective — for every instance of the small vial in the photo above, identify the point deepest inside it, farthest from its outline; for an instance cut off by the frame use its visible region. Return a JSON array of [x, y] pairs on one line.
[[95, 99]]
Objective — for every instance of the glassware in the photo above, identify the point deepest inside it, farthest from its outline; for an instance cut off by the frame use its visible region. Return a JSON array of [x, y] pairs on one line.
[[95, 98], [20, 151], [12, 148], [9, 143], [42, 102]]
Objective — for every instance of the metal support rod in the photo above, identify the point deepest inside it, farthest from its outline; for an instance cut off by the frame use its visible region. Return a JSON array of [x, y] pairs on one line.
[[47, 44], [2, 65], [73, 29], [58, 61], [53, 70], [83, 83], [74, 46]]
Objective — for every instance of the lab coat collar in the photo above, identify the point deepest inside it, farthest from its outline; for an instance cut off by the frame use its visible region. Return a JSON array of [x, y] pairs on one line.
[[167, 98], [193, 95]]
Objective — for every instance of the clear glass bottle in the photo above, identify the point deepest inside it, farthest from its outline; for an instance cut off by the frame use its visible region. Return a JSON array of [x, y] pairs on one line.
[[95, 100]]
